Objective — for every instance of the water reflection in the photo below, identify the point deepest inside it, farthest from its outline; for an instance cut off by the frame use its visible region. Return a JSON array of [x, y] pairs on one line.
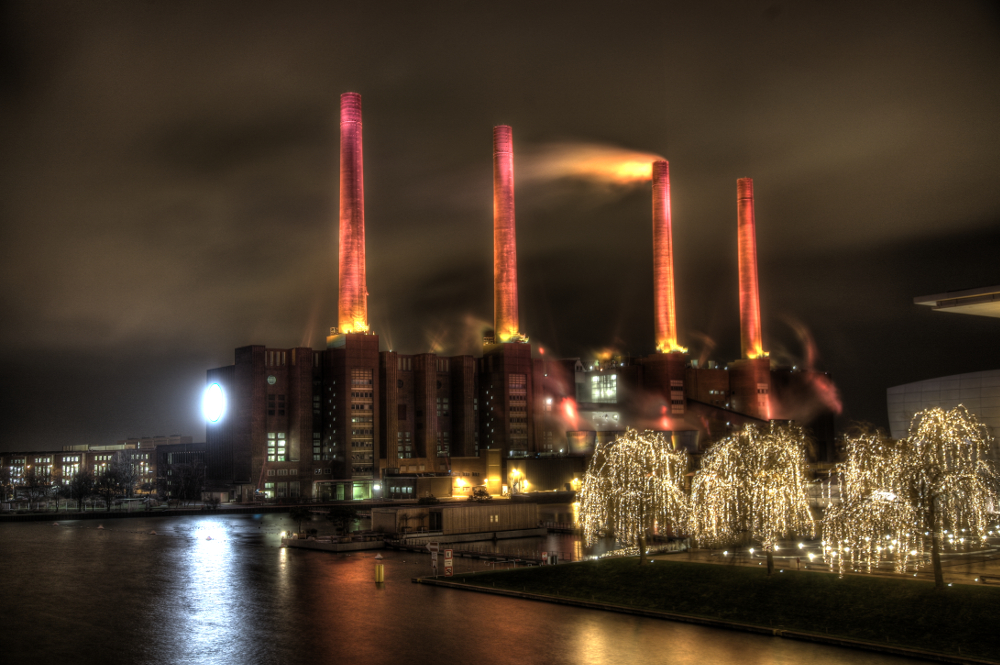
[[208, 579], [123, 596]]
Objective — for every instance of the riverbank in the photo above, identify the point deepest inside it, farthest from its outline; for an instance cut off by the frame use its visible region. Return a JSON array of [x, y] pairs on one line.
[[223, 509], [888, 615]]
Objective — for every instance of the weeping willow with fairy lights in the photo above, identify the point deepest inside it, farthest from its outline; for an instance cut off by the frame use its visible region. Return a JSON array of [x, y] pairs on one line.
[[872, 524], [934, 488], [632, 484], [752, 486]]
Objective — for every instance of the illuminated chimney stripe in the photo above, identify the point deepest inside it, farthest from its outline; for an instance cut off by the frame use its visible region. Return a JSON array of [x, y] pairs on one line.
[[353, 306], [505, 318], [664, 308], [750, 336]]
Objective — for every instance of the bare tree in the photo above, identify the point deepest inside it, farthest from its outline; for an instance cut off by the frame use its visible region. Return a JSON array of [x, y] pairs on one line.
[[633, 484], [128, 471], [300, 514], [6, 483], [342, 517], [35, 485], [189, 478], [752, 486], [107, 485], [80, 486]]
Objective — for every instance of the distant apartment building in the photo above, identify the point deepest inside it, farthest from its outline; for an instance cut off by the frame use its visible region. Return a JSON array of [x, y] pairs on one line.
[[54, 467]]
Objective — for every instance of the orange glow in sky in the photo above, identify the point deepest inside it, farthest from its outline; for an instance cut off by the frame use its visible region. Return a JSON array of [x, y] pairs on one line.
[[589, 161]]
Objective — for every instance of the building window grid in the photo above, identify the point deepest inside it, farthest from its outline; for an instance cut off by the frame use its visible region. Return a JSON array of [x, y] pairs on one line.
[[276, 447], [604, 388], [443, 445], [517, 411], [362, 422]]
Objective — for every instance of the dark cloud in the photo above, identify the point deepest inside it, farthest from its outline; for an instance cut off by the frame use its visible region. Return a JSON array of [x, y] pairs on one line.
[[170, 175]]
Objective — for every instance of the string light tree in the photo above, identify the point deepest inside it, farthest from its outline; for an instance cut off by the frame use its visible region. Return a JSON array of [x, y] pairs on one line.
[[937, 482], [752, 486], [871, 524], [633, 484]]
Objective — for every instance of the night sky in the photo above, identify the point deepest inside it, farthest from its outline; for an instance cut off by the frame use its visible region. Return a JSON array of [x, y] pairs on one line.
[[168, 187]]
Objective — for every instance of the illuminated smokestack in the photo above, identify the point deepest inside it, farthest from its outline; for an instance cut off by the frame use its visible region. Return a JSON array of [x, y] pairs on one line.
[[753, 346], [505, 320], [663, 263], [353, 309]]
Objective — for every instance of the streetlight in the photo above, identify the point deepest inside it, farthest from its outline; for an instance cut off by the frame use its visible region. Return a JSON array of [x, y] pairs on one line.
[[213, 403]]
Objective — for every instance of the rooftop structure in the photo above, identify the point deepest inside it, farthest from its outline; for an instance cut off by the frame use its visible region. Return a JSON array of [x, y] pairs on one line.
[[983, 301]]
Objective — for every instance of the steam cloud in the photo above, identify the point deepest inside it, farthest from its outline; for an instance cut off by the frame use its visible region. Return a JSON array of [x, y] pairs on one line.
[[597, 163]]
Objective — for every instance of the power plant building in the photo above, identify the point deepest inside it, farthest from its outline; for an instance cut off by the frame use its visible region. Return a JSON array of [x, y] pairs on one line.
[[349, 421]]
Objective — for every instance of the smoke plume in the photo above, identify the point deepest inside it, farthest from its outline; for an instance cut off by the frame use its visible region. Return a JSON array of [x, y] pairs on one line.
[[597, 163]]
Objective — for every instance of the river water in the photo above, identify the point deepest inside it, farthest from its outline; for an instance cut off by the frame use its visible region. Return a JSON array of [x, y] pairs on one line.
[[219, 589]]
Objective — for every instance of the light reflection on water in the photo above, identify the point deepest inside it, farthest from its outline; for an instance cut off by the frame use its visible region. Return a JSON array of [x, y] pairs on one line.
[[82, 595], [208, 576]]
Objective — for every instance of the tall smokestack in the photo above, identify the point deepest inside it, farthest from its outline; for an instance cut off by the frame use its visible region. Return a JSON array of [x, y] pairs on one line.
[[353, 309], [753, 346], [505, 319], [663, 262]]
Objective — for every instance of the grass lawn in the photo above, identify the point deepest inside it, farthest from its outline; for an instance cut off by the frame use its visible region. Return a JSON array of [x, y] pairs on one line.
[[961, 619]]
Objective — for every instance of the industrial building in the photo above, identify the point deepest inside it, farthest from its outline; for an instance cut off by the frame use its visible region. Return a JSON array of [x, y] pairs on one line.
[[352, 421]]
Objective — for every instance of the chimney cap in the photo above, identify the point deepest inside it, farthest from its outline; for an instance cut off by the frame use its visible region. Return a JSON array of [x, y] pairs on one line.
[[503, 138], [350, 107]]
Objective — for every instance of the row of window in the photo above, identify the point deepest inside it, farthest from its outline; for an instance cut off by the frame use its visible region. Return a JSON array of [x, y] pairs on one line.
[[282, 472], [281, 490], [361, 378]]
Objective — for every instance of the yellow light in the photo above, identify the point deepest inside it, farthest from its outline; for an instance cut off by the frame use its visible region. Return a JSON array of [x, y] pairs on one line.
[[670, 346], [887, 487], [752, 485], [632, 484]]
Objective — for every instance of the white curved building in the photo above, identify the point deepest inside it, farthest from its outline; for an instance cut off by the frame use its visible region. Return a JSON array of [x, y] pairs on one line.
[[979, 392]]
